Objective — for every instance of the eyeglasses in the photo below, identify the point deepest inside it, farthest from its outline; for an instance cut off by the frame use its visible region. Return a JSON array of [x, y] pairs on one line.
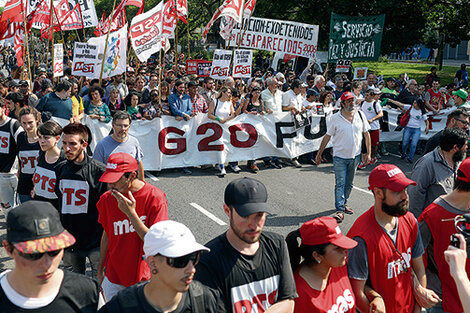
[[122, 126], [462, 121], [37, 256], [182, 261]]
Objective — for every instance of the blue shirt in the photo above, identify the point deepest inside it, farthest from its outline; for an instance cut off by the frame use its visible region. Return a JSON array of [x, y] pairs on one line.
[[56, 106], [180, 105]]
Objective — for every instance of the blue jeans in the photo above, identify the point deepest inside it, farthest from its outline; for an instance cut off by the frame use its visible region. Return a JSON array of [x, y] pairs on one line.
[[413, 134], [345, 169]]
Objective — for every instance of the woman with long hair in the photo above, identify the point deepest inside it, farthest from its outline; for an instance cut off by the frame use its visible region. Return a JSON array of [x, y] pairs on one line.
[[165, 90], [96, 108], [114, 101], [319, 266], [221, 110], [412, 130], [49, 157], [27, 150]]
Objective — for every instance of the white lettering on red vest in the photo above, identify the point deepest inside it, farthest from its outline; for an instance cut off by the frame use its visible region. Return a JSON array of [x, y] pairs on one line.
[[125, 226], [4, 142], [399, 266], [255, 297], [344, 303], [75, 194]]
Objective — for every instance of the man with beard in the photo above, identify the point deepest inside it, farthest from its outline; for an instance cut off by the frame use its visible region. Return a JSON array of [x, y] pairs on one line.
[[120, 141], [347, 128], [436, 225], [435, 172], [249, 267], [389, 245], [78, 189]]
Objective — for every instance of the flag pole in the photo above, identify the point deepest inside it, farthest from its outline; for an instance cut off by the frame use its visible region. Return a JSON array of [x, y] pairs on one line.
[[160, 54], [106, 44], [26, 44], [83, 24], [187, 28], [51, 25], [176, 34]]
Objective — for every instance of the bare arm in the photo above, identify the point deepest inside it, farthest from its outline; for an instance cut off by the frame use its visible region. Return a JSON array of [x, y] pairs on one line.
[[362, 302], [367, 139], [323, 144], [103, 252], [210, 110], [127, 206], [457, 259], [141, 175], [425, 298], [284, 306]]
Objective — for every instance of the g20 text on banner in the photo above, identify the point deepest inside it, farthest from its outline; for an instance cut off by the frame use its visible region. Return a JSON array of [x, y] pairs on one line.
[[279, 36], [355, 38]]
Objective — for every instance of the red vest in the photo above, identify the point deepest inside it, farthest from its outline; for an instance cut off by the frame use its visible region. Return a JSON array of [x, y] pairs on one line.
[[389, 264], [441, 231], [436, 98]]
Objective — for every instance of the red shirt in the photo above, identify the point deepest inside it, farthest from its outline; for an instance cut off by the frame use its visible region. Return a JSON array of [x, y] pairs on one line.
[[124, 263], [441, 231], [389, 263], [337, 296], [436, 98]]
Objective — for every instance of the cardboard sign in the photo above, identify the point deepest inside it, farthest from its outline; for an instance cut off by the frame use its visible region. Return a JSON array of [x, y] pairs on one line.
[[242, 63], [58, 60], [221, 64], [342, 66], [360, 73], [85, 57], [199, 67]]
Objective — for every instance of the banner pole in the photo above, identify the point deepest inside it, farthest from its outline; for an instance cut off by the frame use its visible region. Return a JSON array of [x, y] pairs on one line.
[[106, 44], [160, 54], [187, 28], [26, 45], [83, 24], [51, 25]]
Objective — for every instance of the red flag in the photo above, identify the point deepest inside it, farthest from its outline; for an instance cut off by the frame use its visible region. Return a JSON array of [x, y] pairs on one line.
[[13, 11], [121, 7], [230, 8], [249, 8], [7, 30], [101, 24], [19, 45], [39, 15], [71, 20], [180, 9]]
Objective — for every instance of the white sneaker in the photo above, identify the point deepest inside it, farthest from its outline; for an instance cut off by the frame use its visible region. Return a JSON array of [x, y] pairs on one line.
[[223, 172], [236, 169]]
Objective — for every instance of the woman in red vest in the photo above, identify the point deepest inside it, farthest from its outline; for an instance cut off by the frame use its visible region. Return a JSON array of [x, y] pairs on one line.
[[322, 278]]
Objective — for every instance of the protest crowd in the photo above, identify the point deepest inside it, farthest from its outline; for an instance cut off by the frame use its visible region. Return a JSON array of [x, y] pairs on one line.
[[87, 233]]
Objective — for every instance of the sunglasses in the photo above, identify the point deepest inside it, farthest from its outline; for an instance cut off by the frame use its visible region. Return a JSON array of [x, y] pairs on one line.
[[37, 256], [182, 261]]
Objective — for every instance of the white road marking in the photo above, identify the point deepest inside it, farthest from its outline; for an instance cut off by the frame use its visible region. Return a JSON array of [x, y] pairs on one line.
[[154, 178], [363, 190], [395, 155], [208, 214]]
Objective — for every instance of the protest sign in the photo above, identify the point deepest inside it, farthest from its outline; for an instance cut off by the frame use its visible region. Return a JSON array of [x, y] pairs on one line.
[[221, 64], [146, 30], [199, 67], [356, 38], [115, 59], [58, 60], [242, 63], [298, 39], [342, 66], [85, 57], [360, 73]]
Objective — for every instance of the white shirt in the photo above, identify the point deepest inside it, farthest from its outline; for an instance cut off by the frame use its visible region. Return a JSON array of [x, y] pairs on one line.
[[346, 136], [289, 98], [369, 111], [416, 117], [272, 102]]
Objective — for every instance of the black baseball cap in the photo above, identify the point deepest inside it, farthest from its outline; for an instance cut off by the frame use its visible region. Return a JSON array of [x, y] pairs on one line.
[[247, 196], [23, 83], [35, 227]]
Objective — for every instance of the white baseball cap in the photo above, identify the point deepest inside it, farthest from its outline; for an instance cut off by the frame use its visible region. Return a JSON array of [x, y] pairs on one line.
[[170, 239]]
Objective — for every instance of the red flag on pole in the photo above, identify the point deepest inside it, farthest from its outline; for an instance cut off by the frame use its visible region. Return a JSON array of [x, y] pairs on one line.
[[101, 24], [19, 44], [232, 8], [13, 11], [180, 10], [71, 20]]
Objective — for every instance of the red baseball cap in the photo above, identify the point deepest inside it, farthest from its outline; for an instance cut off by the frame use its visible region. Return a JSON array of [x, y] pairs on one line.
[[118, 164], [463, 173], [347, 95], [390, 177], [324, 230]]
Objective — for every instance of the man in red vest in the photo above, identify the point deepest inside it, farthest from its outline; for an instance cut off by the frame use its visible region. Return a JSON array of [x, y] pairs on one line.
[[433, 98], [436, 225], [388, 256]]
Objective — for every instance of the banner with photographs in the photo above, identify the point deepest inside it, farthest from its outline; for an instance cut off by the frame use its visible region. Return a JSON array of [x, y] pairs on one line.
[[294, 38], [201, 68], [356, 38]]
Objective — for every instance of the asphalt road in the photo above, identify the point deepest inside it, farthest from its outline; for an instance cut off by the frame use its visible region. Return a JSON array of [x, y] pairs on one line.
[[295, 196]]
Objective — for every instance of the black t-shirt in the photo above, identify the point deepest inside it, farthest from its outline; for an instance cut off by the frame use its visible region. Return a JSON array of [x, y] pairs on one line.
[[78, 293], [265, 277], [44, 179], [133, 300], [28, 154], [8, 133], [406, 97], [79, 189]]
